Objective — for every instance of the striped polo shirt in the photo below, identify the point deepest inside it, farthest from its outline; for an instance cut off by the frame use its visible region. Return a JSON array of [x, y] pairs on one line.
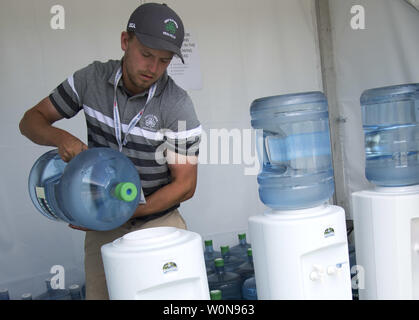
[[169, 120]]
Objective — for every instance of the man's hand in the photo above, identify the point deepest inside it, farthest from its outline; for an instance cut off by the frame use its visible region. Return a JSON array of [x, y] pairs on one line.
[[70, 147], [78, 228]]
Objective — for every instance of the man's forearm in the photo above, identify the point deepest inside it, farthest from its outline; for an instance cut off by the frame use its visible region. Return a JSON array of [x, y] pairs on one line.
[[165, 198]]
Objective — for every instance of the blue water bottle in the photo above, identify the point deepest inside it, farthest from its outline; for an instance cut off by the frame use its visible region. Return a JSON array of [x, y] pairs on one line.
[[99, 189], [246, 269], [390, 118], [231, 262], [210, 255], [4, 294], [240, 250], [216, 295], [53, 294], [75, 292], [294, 149], [229, 283], [26, 296], [249, 291]]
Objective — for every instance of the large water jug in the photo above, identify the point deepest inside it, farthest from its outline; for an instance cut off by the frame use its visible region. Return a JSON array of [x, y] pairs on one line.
[[249, 290], [75, 292], [231, 263], [210, 255], [246, 269], [240, 250], [26, 296], [229, 283], [390, 120], [294, 148], [216, 295], [53, 294], [99, 189], [352, 263], [4, 294]]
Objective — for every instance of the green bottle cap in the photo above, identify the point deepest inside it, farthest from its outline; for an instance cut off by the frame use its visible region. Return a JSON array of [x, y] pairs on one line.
[[242, 236], [219, 262], [225, 249], [208, 243], [126, 191], [249, 252], [215, 294]]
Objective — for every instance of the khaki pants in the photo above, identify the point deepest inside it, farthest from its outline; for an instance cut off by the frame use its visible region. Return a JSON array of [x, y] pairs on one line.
[[95, 275]]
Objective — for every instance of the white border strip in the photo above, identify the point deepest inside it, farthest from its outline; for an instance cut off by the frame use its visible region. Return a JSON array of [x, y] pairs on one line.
[[136, 131], [70, 81]]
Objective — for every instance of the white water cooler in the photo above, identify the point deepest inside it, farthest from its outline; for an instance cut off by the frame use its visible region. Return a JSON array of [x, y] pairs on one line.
[[163, 263], [386, 226], [301, 254]]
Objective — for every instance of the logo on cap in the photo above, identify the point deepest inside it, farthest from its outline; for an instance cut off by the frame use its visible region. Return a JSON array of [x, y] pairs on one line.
[[171, 27], [131, 25]]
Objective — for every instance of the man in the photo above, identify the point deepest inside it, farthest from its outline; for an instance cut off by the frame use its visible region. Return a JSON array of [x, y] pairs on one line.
[[133, 106]]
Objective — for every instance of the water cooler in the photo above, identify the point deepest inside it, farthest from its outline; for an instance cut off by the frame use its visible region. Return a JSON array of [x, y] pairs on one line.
[[386, 217], [163, 263], [300, 248]]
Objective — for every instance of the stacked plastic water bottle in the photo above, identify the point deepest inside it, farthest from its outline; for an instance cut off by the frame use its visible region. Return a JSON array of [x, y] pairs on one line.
[[74, 292], [230, 271]]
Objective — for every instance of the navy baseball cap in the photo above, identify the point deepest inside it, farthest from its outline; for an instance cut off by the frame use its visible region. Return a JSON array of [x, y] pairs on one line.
[[158, 27]]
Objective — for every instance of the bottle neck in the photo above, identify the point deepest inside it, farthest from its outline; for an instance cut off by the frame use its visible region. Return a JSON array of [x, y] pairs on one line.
[[220, 270], [225, 255], [209, 249]]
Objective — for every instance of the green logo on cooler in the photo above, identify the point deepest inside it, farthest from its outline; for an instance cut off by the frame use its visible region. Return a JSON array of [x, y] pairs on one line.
[[329, 232], [169, 266]]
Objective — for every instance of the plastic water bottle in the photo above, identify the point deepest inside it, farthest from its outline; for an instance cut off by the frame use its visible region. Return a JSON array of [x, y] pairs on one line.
[[26, 296], [352, 262], [240, 250], [75, 292], [216, 295], [209, 255], [99, 189], [246, 269], [228, 283], [231, 263], [83, 292], [4, 294], [390, 118], [249, 291], [54, 294], [294, 150]]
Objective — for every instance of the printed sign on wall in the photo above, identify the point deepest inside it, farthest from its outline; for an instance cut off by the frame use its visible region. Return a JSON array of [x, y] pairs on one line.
[[188, 75]]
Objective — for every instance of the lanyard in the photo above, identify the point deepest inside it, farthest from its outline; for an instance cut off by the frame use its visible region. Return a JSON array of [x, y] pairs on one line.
[[134, 121]]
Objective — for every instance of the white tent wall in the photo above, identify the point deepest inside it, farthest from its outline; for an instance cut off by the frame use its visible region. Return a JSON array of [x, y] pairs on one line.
[[382, 54], [248, 49]]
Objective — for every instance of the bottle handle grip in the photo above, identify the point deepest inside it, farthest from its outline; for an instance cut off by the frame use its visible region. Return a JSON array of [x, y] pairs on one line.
[[275, 147]]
